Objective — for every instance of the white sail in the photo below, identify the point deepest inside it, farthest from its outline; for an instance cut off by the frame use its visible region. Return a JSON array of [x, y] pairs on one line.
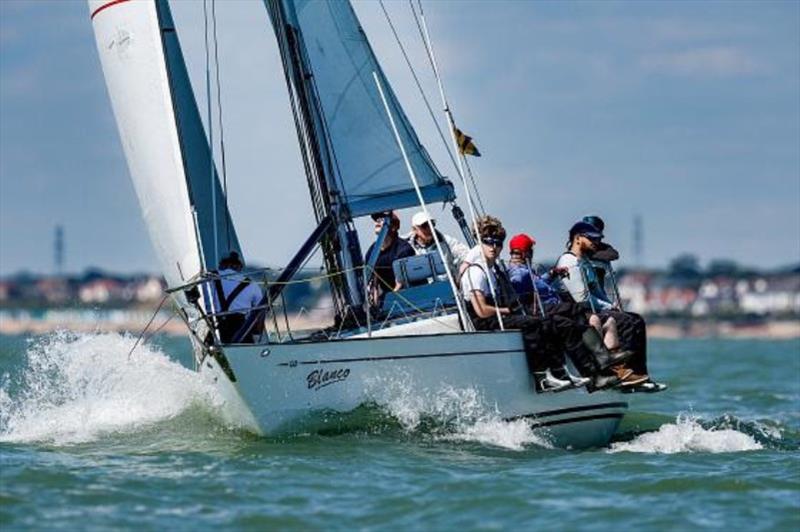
[[162, 136]]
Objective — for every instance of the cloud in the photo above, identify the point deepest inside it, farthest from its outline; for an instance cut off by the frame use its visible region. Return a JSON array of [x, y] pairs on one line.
[[720, 61]]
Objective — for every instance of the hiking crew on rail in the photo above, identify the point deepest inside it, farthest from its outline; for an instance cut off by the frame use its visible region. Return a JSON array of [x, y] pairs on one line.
[[565, 312]]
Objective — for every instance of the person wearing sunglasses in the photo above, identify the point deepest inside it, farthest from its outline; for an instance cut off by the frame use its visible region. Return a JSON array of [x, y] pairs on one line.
[[490, 299], [541, 299], [392, 248], [583, 286]]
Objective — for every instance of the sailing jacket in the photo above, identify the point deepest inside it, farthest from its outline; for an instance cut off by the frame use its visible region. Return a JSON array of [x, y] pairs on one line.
[[581, 283]]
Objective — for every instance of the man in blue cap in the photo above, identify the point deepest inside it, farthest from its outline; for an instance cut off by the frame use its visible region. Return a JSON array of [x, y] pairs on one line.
[[584, 287]]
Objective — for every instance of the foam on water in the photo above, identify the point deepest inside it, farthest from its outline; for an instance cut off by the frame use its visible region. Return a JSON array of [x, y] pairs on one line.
[[687, 435], [77, 387], [458, 414]]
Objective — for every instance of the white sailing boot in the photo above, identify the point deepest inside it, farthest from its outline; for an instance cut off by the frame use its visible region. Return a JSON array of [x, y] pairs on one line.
[[545, 382], [577, 382]]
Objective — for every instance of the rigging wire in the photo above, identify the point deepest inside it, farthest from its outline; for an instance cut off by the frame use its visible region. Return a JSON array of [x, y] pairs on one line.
[[474, 185], [212, 177], [419, 86], [221, 126], [149, 323], [423, 28], [447, 110]]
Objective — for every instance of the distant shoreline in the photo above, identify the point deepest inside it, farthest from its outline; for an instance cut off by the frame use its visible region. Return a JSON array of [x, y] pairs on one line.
[[133, 322]]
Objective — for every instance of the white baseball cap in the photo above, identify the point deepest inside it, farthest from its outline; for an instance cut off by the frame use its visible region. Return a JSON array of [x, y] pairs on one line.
[[420, 219]]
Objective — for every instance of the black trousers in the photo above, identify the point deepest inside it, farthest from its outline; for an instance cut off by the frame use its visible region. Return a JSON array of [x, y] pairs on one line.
[[632, 336], [228, 325], [543, 349], [569, 323]]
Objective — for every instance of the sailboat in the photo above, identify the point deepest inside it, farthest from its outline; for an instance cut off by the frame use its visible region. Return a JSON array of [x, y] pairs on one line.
[[361, 156]]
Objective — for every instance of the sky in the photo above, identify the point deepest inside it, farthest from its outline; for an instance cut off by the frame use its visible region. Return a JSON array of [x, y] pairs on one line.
[[685, 113]]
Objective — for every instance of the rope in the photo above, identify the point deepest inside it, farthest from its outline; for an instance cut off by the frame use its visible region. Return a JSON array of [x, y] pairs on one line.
[[153, 317]]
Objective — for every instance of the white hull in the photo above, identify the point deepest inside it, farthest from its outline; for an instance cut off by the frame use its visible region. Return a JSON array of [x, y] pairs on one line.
[[283, 384]]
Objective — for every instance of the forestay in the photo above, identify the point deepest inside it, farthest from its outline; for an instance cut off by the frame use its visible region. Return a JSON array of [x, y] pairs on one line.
[[368, 169]]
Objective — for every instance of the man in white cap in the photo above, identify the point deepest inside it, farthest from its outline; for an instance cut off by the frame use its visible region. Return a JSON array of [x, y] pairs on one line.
[[421, 239]]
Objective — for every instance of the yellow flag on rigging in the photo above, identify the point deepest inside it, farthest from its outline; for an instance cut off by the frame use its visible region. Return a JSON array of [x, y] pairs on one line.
[[465, 144]]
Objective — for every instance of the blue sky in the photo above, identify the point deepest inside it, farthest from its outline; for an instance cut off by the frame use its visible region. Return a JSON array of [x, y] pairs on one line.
[[687, 113]]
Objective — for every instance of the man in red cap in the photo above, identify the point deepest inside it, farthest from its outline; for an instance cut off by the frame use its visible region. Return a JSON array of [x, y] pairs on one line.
[[541, 299], [532, 290]]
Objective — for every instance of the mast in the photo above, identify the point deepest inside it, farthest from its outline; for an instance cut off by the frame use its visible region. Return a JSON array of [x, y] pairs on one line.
[[340, 247], [351, 156]]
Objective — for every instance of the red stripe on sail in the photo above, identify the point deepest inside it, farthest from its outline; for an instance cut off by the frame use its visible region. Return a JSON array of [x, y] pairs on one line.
[[109, 4]]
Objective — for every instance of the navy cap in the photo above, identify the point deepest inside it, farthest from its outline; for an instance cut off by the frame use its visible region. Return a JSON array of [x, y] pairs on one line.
[[586, 229], [233, 259], [595, 221]]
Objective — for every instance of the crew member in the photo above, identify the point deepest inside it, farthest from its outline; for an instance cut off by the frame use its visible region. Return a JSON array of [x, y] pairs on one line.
[[541, 299], [392, 248], [234, 297], [422, 240], [583, 286], [544, 346]]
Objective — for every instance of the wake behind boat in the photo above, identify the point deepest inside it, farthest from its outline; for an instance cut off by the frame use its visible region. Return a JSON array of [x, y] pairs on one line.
[[361, 157]]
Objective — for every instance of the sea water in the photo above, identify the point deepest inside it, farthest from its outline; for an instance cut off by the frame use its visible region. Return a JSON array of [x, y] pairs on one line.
[[94, 437]]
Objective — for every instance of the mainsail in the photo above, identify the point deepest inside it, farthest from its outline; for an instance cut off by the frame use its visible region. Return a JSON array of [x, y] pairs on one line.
[[368, 167], [165, 145], [353, 162]]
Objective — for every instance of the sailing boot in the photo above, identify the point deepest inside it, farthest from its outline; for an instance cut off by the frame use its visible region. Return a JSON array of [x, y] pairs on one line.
[[563, 373], [545, 382], [632, 379], [646, 387], [605, 358], [601, 382]]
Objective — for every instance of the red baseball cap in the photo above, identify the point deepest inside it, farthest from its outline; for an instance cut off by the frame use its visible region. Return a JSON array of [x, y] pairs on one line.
[[521, 242]]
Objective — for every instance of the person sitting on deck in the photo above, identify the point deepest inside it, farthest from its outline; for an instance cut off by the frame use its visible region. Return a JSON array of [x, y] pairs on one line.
[[533, 290], [422, 240], [604, 252], [582, 286], [393, 247], [481, 281], [541, 299], [234, 295]]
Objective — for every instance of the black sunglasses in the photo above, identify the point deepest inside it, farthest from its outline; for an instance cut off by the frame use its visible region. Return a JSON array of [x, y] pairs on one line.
[[491, 241]]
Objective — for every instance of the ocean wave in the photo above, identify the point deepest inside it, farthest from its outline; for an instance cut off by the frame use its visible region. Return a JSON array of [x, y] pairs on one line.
[[688, 435], [453, 414], [76, 388]]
